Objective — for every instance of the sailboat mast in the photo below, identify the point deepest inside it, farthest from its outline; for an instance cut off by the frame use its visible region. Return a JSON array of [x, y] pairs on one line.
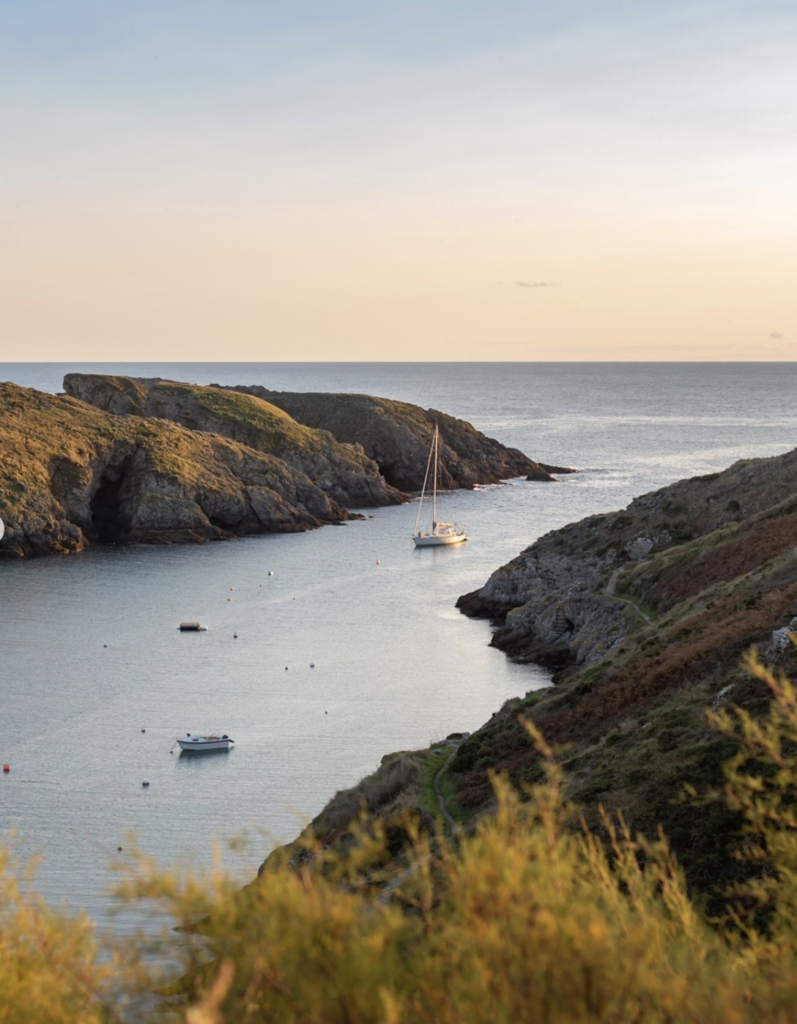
[[434, 492]]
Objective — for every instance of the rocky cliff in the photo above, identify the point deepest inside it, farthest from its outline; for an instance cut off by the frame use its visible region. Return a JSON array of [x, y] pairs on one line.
[[71, 473], [564, 600], [341, 470], [644, 614], [397, 436]]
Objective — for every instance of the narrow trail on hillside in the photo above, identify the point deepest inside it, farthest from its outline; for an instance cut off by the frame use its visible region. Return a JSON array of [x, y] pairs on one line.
[[441, 802], [387, 894], [610, 593]]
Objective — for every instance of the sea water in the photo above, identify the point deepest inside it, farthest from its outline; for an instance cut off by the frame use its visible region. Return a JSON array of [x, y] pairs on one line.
[[348, 642]]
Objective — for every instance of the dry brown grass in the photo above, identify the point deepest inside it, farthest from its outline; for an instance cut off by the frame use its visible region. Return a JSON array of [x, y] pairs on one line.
[[751, 547]]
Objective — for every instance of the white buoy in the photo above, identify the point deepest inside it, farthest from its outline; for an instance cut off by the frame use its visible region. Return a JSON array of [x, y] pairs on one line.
[[271, 573], [145, 782]]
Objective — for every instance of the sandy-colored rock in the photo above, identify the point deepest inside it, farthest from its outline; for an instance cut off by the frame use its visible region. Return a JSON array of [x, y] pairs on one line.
[[71, 474]]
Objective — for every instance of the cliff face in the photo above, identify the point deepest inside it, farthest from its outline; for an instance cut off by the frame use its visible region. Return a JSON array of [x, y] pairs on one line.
[[397, 436], [71, 473], [342, 471]]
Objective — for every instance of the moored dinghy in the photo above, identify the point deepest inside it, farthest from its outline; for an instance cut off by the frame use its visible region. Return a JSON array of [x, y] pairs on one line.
[[197, 743]]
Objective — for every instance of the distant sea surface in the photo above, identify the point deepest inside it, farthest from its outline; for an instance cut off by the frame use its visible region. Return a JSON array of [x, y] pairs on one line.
[[396, 666]]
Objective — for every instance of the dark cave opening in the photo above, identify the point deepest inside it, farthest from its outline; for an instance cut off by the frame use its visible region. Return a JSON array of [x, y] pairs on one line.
[[107, 525]]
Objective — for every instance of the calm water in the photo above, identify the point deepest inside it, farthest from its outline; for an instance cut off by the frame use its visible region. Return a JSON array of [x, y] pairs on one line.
[[395, 665]]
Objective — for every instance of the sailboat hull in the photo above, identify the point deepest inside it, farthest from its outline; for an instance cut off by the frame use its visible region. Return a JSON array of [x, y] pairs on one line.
[[432, 540]]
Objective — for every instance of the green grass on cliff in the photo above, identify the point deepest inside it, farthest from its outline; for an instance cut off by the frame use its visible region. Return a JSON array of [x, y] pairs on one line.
[[251, 419]]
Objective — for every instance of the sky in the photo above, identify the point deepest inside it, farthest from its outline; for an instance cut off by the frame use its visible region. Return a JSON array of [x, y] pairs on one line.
[[441, 180]]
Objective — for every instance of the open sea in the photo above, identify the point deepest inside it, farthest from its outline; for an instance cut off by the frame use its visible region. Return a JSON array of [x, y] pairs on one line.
[[396, 666]]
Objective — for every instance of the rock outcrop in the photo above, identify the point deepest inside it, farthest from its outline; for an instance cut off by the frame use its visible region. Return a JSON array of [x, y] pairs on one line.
[[341, 470], [397, 436], [71, 473], [564, 601]]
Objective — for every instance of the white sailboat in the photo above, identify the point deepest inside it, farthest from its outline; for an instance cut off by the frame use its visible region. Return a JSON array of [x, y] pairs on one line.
[[440, 534]]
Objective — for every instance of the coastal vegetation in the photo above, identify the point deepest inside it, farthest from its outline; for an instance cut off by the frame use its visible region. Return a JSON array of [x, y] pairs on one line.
[[530, 914]]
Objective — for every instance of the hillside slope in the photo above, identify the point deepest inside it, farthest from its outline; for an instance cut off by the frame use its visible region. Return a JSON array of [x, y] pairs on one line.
[[644, 615]]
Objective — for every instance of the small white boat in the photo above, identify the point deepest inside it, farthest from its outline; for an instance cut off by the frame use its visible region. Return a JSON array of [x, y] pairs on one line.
[[197, 743], [440, 534]]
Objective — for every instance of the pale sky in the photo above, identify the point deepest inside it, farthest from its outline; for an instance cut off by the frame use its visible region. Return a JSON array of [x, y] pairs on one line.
[[418, 179]]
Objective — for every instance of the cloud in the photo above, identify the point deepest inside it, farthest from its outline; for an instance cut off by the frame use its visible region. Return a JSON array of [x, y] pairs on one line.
[[536, 284]]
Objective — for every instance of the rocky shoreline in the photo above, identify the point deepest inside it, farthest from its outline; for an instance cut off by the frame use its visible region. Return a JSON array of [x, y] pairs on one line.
[[564, 601]]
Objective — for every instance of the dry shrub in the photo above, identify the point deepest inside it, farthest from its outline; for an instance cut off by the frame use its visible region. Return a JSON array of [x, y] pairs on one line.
[[526, 919], [375, 793]]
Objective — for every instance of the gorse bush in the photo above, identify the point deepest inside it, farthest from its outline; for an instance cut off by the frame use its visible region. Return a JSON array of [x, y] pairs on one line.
[[530, 918]]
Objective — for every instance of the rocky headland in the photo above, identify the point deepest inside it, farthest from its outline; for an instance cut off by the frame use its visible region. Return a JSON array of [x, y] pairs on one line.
[[576, 593], [152, 461], [397, 436], [341, 470]]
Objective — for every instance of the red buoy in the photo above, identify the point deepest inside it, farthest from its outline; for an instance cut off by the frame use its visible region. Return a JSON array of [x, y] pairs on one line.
[[6, 767]]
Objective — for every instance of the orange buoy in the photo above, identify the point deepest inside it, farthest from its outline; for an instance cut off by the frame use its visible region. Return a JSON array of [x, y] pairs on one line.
[[6, 767], [229, 599]]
